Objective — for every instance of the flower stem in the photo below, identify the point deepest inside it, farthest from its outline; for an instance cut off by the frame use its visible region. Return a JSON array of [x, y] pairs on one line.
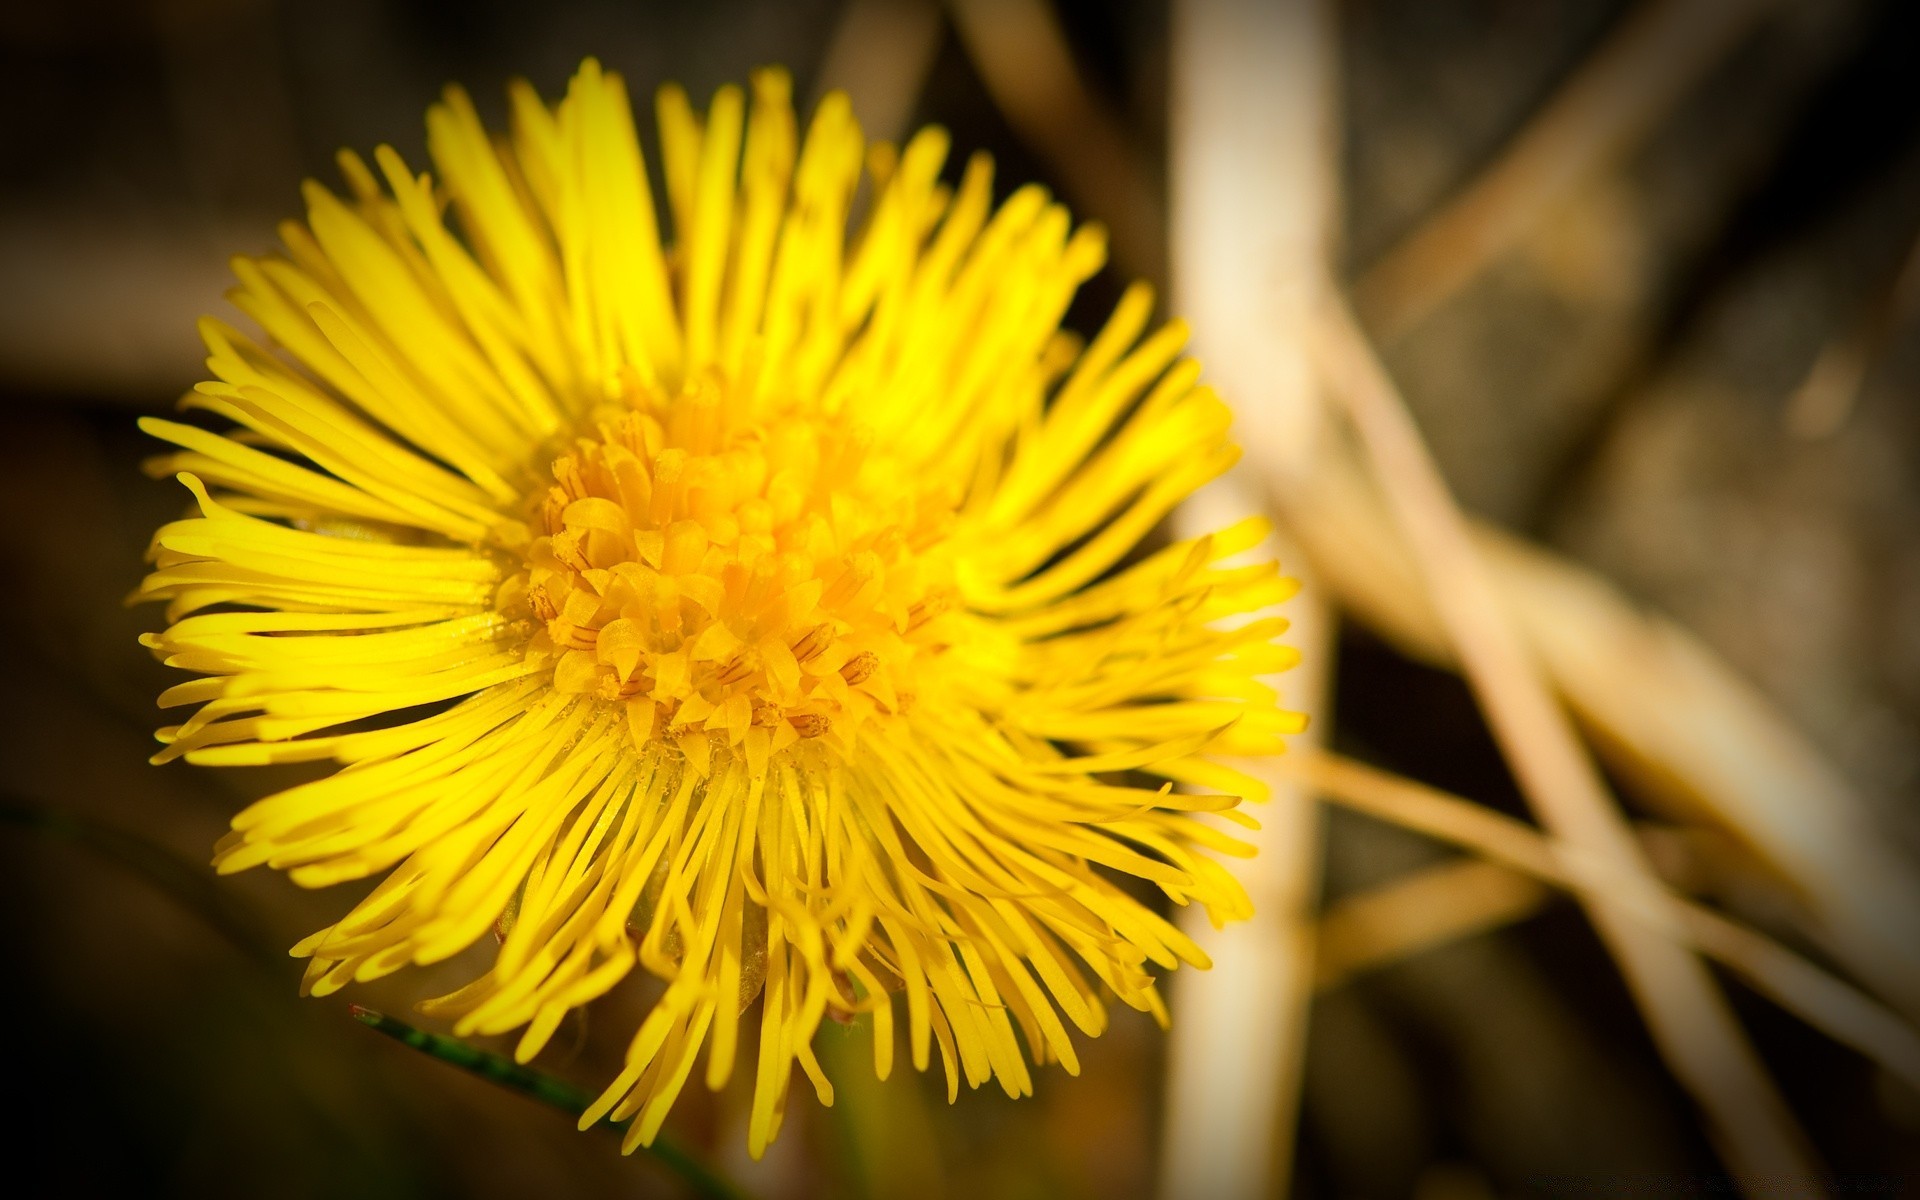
[[544, 1088]]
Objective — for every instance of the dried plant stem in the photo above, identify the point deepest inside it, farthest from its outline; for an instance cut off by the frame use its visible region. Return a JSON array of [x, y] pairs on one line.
[[1421, 910], [1605, 109], [1796, 985], [1825, 400], [69, 272], [1235, 1052], [1690, 1020], [879, 54], [1023, 57], [1254, 205], [1681, 727]]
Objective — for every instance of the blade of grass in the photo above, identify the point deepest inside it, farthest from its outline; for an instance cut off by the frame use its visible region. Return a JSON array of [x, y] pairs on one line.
[[1690, 1020], [540, 1086]]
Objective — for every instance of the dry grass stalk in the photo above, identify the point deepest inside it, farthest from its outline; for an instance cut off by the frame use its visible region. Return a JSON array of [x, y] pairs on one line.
[[1023, 57], [1420, 910], [1825, 400], [1679, 725], [1695, 736], [1254, 181], [90, 307], [1689, 1018], [879, 54], [1824, 1001], [1605, 109]]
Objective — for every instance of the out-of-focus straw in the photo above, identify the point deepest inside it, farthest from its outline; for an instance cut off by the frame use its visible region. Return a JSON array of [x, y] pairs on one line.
[[1827, 1003], [1821, 404], [1658, 51], [1417, 911], [1024, 59], [1253, 204], [879, 55], [1683, 730], [1673, 720], [1690, 1020]]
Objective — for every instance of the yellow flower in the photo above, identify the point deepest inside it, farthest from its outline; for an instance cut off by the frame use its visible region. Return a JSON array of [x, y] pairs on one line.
[[757, 606]]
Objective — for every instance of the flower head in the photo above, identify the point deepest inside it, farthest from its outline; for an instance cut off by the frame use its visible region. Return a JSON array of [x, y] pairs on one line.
[[757, 607]]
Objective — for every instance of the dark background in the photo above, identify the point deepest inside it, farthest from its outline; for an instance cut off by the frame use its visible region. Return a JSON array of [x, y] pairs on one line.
[[1617, 386]]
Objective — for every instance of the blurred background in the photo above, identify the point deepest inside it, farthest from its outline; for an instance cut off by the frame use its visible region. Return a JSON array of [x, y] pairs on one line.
[[1676, 345]]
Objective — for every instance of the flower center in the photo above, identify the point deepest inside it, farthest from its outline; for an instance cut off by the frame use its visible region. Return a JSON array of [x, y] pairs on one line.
[[734, 582]]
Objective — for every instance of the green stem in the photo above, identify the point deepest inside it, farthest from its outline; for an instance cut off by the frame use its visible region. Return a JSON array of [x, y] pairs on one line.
[[544, 1088], [196, 890]]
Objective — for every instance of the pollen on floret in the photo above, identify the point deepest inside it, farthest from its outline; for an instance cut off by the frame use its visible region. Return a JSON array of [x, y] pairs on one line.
[[750, 578]]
